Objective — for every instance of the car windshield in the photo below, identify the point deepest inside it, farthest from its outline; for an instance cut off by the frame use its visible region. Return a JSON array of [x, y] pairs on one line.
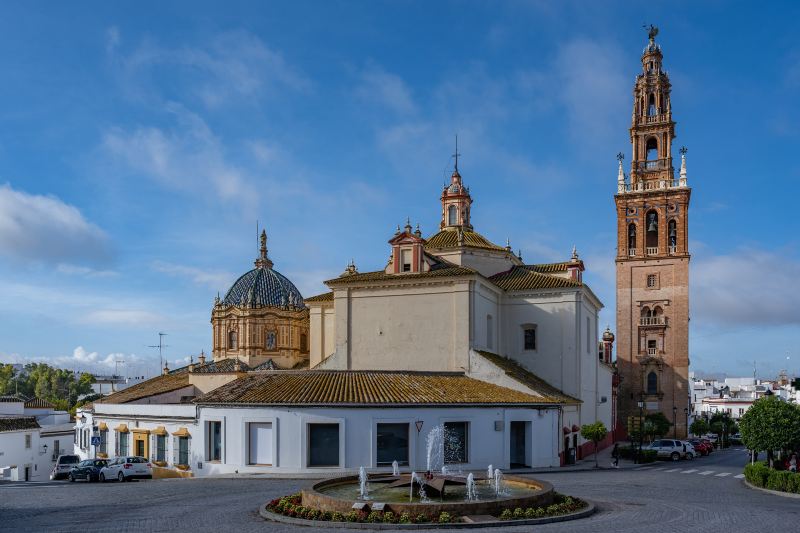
[[99, 463], [136, 460], [68, 459]]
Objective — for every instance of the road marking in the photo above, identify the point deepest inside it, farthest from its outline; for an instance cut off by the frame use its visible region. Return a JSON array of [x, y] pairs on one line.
[[723, 474], [707, 472], [658, 469], [688, 471], [673, 470], [645, 468], [740, 476]]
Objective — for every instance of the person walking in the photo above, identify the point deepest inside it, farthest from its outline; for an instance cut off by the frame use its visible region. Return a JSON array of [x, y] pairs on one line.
[[793, 463], [615, 455]]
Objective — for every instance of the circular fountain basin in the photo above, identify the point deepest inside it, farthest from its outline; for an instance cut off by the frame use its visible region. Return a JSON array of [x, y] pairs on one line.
[[339, 494]]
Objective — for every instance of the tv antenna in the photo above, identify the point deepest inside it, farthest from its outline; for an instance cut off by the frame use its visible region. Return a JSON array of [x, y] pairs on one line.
[[160, 347], [116, 366]]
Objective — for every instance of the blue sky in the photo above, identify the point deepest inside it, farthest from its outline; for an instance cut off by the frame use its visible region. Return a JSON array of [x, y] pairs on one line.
[[141, 142]]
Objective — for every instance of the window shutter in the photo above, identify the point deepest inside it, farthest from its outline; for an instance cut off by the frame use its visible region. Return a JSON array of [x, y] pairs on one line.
[[116, 443], [174, 450], [152, 448]]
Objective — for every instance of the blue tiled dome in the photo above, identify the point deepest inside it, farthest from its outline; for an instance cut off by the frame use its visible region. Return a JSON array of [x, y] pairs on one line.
[[264, 287]]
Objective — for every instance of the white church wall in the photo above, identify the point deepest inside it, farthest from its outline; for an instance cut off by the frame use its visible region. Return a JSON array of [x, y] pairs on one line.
[[321, 333], [486, 299], [412, 327]]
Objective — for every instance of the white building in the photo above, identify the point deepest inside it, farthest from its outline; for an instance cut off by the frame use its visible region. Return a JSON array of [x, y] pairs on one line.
[[453, 332], [32, 436]]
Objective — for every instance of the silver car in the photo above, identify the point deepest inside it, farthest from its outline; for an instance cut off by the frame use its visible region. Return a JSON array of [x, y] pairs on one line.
[[64, 465], [668, 449], [126, 469]]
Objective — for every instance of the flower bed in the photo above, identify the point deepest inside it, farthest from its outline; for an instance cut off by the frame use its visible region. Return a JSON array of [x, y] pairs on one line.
[[761, 475], [291, 506]]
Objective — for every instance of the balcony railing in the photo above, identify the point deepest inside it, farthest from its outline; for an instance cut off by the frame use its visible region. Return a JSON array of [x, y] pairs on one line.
[[651, 250], [651, 185], [652, 351], [654, 164], [653, 321], [632, 252], [649, 119], [672, 250]]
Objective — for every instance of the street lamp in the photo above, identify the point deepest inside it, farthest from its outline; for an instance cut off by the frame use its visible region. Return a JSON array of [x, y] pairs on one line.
[[641, 427], [686, 412], [674, 421]]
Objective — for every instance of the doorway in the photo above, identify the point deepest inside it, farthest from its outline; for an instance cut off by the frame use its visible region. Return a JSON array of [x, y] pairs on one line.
[[27, 473], [519, 445]]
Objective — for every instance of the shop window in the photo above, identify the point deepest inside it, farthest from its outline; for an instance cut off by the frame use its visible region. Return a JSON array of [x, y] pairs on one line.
[[392, 444], [456, 442], [323, 445]]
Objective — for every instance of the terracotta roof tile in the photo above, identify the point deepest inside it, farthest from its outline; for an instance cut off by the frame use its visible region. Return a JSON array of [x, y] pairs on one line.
[[449, 239], [151, 387], [324, 297], [38, 403], [444, 271], [365, 388], [549, 268], [525, 277], [519, 373], [221, 366], [18, 423]]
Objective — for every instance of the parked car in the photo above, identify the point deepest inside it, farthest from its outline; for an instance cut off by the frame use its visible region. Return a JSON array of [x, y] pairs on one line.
[[709, 444], [88, 470], [63, 465], [668, 449], [702, 448], [126, 469], [688, 450]]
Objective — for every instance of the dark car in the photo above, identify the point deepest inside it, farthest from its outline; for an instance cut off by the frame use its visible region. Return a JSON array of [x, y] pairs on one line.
[[88, 470]]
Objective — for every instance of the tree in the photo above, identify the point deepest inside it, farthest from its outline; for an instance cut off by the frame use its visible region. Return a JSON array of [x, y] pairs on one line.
[[699, 427], [770, 424], [60, 387], [656, 425], [595, 433]]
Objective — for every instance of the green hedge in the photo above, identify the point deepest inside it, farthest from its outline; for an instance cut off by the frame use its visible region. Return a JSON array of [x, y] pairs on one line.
[[761, 475], [627, 452]]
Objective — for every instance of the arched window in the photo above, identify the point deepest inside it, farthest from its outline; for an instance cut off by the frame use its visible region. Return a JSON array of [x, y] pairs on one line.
[[652, 383], [651, 223], [452, 215], [672, 234], [631, 237], [489, 332], [651, 104], [232, 340], [651, 149], [646, 312]]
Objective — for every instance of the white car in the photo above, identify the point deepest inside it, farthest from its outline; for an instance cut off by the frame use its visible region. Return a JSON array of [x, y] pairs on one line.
[[126, 469], [688, 450], [668, 449]]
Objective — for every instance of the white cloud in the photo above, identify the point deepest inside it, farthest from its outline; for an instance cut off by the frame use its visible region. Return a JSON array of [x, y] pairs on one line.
[[81, 359], [386, 89], [112, 39], [227, 68], [214, 279], [746, 287], [44, 228], [75, 270], [189, 157], [129, 317]]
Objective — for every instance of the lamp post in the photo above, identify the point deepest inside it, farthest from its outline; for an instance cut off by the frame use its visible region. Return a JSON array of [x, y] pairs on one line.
[[686, 412], [674, 422], [641, 427]]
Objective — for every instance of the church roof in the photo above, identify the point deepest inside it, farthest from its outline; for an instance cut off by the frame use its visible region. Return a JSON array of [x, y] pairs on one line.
[[264, 287], [449, 239], [441, 269], [324, 297], [527, 277], [521, 374], [151, 387], [217, 367], [549, 268], [365, 388]]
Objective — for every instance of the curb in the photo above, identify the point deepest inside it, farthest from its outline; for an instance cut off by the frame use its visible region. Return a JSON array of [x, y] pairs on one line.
[[267, 515], [770, 491]]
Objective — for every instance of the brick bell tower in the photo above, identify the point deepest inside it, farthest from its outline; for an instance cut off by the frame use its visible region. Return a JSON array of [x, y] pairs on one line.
[[653, 257]]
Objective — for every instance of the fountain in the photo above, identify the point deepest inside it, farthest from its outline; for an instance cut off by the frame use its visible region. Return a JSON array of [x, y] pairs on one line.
[[490, 473], [363, 483], [434, 445], [395, 468], [498, 482], [472, 493]]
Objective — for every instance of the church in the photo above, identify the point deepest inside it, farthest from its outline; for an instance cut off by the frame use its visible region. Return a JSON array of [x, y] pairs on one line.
[[453, 332]]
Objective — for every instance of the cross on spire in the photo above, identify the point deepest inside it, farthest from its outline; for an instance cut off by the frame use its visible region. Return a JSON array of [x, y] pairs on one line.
[[456, 154]]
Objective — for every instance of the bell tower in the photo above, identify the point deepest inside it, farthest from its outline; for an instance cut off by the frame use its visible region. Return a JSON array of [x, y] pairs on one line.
[[653, 256]]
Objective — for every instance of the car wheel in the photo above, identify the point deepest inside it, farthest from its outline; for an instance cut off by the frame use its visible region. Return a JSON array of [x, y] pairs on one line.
[[690, 456], [121, 477], [102, 478], [675, 456]]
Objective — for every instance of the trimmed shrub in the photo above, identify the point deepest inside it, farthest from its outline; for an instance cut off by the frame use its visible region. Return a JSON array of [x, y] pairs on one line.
[[518, 513], [389, 518], [506, 514], [421, 519], [445, 518], [352, 516], [336, 516], [530, 512], [405, 518], [778, 480], [757, 474]]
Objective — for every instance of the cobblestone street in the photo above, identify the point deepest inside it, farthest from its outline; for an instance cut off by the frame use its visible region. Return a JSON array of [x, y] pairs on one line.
[[663, 497]]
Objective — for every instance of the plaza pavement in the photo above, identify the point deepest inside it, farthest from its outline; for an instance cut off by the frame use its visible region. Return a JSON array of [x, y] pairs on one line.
[[658, 498]]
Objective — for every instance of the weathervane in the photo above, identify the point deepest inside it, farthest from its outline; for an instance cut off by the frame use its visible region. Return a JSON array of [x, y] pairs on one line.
[[620, 157], [455, 155], [683, 150], [652, 31]]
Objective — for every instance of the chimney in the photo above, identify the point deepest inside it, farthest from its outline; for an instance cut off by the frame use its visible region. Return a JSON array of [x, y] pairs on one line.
[[166, 369], [202, 358]]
